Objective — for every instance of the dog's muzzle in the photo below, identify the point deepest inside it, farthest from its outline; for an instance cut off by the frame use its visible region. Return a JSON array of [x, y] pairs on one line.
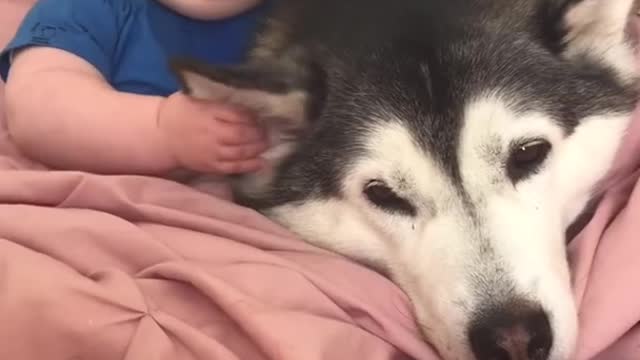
[[517, 330]]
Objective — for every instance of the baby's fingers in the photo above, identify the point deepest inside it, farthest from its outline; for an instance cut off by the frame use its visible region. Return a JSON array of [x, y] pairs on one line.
[[236, 134], [239, 167], [241, 152], [233, 115]]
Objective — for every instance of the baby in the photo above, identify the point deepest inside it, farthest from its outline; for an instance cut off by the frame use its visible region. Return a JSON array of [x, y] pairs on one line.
[[88, 86]]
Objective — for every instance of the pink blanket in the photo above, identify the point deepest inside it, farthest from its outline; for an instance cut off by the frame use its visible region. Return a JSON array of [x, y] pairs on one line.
[[117, 267]]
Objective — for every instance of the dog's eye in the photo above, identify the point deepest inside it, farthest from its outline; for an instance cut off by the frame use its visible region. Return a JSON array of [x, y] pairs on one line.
[[526, 158], [381, 195]]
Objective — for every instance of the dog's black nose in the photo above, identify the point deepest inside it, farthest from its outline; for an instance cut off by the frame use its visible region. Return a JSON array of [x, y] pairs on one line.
[[516, 331]]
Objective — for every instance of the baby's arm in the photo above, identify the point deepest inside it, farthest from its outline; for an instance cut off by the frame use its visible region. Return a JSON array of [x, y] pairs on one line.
[[62, 112], [60, 108]]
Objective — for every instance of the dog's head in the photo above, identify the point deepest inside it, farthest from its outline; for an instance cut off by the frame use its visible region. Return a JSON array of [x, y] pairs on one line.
[[450, 146]]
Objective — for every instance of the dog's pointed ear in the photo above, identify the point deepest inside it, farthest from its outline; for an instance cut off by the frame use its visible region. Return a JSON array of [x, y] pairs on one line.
[[599, 30], [280, 97]]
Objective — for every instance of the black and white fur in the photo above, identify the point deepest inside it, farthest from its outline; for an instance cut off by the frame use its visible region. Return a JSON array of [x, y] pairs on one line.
[[448, 143]]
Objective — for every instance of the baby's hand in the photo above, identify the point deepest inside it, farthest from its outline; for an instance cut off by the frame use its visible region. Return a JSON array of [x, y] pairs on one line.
[[211, 138]]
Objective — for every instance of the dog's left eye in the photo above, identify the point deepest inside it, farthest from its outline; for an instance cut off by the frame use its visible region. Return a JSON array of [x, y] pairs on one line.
[[381, 195], [526, 158]]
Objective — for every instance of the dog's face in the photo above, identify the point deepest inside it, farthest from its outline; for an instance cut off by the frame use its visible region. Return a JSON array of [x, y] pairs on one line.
[[454, 162]]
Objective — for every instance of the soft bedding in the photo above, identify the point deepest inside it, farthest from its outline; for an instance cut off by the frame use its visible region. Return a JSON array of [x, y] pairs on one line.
[[124, 267]]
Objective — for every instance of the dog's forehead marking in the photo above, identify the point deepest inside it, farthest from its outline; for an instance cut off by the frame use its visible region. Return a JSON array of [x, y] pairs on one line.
[[490, 125], [395, 154]]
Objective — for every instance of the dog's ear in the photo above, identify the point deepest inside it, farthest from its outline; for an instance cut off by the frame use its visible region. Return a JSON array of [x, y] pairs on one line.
[[280, 97], [599, 30]]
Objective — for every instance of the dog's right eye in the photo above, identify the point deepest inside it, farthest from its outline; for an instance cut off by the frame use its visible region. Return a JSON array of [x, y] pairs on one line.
[[526, 158], [382, 196]]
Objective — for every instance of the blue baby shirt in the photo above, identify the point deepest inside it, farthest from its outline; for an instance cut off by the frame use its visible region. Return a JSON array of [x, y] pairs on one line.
[[131, 41]]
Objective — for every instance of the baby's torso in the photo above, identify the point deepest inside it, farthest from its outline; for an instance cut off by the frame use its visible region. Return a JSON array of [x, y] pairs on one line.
[[151, 34]]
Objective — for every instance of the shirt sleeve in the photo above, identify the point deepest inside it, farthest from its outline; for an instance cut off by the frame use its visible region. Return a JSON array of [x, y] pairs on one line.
[[86, 28]]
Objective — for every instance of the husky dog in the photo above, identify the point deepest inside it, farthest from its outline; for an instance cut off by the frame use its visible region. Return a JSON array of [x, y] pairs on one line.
[[448, 143]]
